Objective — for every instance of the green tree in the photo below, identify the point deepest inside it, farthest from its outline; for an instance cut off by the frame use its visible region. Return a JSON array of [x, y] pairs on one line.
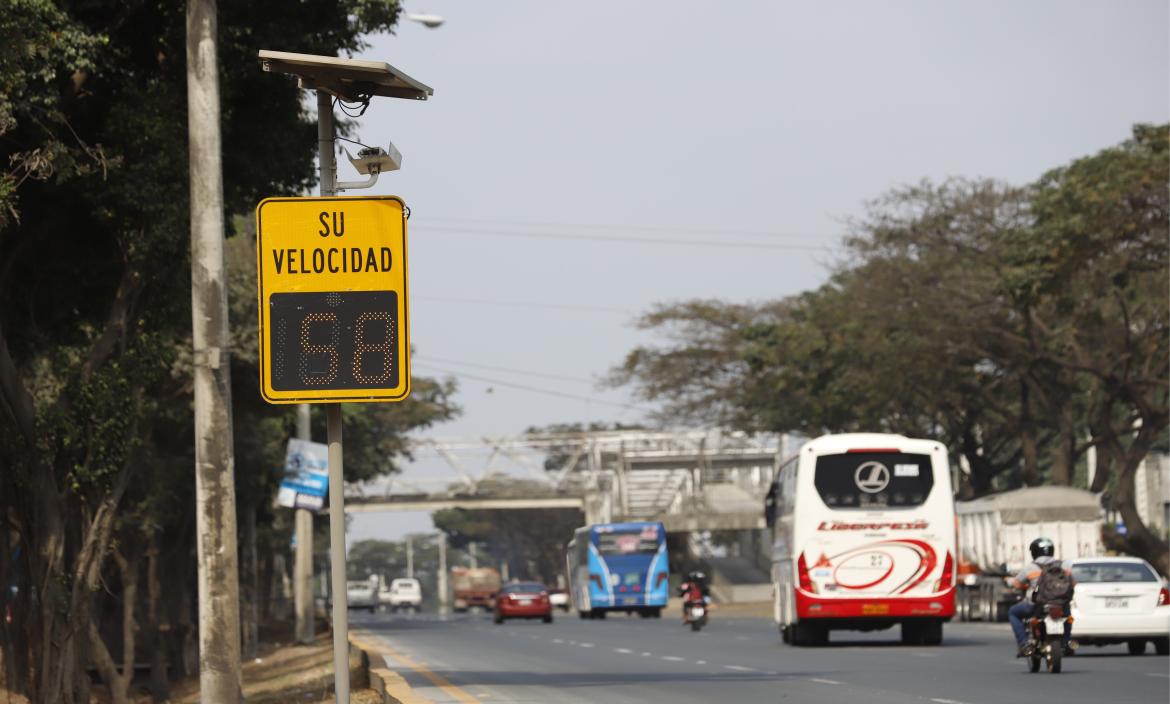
[[1092, 279], [531, 541], [1021, 326], [94, 271]]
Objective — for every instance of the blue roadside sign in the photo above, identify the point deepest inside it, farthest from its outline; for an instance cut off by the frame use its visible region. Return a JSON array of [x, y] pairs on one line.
[[306, 475]]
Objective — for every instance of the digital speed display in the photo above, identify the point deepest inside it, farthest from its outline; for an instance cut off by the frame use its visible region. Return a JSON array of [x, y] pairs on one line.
[[333, 340], [331, 283]]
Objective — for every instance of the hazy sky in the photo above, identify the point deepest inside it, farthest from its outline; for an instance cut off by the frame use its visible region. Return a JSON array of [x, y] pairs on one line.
[[751, 128]]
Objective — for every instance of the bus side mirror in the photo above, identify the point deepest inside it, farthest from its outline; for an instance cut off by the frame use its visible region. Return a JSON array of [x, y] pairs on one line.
[[770, 507]]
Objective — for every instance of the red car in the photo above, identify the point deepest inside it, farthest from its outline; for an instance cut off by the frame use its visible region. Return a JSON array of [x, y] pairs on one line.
[[523, 600]]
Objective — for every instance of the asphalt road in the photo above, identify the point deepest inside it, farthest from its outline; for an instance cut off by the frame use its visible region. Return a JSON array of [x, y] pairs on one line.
[[466, 658]]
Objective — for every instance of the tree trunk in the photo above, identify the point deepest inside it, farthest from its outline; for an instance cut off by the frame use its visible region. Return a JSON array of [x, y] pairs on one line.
[[1064, 451], [159, 686], [12, 634], [249, 587], [1138, 539], [1030, 474]]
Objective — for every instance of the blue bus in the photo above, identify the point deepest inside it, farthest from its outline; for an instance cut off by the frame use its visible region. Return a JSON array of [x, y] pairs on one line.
[[619, 567]]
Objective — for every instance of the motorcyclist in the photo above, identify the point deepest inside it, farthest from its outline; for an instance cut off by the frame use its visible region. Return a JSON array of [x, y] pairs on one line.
[[1043, 552], [692, 591]]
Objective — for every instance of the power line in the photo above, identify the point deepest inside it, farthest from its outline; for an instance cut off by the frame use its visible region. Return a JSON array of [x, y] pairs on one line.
[[510, 370], [525, 304], [622, 240], [630, 228], [534, 389]]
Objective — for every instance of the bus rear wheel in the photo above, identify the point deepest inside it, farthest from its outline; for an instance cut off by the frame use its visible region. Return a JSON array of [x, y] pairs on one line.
[[808, 634], [922, 632]]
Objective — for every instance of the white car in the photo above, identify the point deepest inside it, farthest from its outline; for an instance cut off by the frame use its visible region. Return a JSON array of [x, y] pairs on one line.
[[559, 598], [404, 593], [1120, 600]]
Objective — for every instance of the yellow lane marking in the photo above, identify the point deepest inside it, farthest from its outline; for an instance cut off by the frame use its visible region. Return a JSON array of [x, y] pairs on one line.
[[439, 681]]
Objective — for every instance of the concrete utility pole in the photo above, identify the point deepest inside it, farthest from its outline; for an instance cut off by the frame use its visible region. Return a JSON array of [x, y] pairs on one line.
[[441, 587], [219, 606], [303, 561], [410, 556]]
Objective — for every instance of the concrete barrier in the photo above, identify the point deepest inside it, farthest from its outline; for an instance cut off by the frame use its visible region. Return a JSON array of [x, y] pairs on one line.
[[390, 686]]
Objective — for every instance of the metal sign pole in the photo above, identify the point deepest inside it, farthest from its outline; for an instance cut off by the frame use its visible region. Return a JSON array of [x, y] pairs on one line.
[[337, 555], [325, 158]]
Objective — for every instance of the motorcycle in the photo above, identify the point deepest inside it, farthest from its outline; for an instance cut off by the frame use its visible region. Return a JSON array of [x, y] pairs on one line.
[[1045, 632], [696, 615]]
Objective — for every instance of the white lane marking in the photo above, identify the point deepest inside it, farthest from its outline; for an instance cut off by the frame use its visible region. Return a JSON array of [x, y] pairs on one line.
[[700, 662], [646, 654], [823, 681], [926, 655], [739, 668], [673, 658], [627, 651], [558, 640], [572, 642], [586, 645], [946, 701]]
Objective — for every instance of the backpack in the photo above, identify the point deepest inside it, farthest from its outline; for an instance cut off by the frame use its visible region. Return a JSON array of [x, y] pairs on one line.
[[1054, 585]]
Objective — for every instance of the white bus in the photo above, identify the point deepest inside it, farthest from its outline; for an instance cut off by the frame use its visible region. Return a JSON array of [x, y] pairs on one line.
[[863, 538]]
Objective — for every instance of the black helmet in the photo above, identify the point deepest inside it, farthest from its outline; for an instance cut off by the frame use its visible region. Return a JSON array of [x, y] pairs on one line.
[[1042, 546], [696, 576]]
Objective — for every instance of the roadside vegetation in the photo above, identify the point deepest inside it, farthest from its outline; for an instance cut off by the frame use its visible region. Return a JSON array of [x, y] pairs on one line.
[[97, 530], [1024, 326]]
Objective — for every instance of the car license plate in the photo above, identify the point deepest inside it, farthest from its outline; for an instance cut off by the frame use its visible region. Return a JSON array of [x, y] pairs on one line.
[[525, 602], [875, 609], [1116, 602]]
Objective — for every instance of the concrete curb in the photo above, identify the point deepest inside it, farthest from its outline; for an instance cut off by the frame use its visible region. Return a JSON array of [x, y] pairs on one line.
[[390, 686]]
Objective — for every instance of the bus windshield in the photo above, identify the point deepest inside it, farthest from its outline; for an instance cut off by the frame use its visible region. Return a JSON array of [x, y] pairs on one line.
[[642, 542], [873, 480]]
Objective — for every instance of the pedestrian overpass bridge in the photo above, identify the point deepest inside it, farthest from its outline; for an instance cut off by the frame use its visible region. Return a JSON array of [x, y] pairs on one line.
[[691, 480]]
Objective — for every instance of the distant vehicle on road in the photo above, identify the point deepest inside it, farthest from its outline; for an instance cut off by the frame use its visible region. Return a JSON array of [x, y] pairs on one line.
[[559, 598], [474, 587], [619, 567], [1120, 600], [523, 600], [362, 593], [994, 534], [404, 593], [863, 538]]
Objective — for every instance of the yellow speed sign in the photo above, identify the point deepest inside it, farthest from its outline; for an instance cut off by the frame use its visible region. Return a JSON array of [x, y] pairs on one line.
[[331, 273]]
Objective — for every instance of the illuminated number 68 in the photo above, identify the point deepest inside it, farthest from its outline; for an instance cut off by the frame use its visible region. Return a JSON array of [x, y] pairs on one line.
[[361, 348]]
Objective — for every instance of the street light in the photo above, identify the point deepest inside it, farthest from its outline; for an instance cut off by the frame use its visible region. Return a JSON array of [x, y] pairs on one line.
[[426, 19]]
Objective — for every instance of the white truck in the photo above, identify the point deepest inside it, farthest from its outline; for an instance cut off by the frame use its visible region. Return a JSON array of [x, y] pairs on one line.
[[404, 593], [994, 534]]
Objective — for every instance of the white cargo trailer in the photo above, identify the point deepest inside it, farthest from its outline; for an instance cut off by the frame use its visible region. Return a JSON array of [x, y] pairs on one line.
[[994, 534]]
